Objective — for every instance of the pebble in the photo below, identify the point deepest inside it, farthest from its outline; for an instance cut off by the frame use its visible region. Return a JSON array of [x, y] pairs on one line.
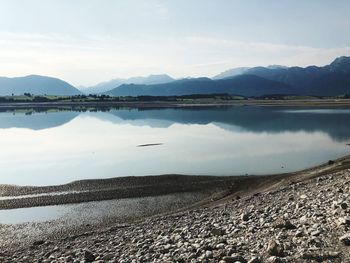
[[299, 222]]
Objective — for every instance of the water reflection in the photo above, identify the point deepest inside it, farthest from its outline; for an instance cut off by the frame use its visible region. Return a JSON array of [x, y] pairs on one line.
[[334, 122], [61, 146], [95, 212], [35, 120]]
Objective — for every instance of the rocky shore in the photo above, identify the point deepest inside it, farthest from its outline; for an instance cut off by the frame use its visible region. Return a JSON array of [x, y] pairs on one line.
[[305, 218]]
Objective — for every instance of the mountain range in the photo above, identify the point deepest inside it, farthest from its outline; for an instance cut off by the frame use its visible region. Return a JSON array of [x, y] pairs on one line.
[[329, 80], [239, 71], [109, 85], [37, 85], [251, 119], [247, 85]]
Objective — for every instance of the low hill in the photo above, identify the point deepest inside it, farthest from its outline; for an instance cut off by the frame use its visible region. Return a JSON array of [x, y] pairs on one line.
[[37, 85]]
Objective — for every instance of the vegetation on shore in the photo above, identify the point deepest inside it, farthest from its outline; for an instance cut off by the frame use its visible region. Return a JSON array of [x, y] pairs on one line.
[[201, 98]]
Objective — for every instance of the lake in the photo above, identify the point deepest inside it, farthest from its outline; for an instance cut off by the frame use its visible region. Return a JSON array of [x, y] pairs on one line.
[[59, 146], [95, 212]]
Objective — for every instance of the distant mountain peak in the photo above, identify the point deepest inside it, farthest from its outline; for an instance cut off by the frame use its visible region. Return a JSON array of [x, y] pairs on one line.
[[331, 80], [341, 60], [231, 73], [340, 65], [150, 79], [276, 66], [117, 82], [159, 75]]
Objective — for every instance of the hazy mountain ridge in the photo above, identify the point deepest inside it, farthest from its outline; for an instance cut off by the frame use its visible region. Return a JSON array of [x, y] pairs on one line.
[[37, 85], [329, 80], [109, 85], [247, 85], [231, 73]]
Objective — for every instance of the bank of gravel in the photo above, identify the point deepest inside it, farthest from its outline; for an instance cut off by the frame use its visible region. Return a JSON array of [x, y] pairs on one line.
[[123, 187], [303, 219]]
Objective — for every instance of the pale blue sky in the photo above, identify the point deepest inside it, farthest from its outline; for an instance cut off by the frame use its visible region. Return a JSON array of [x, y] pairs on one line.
[[88, 41]]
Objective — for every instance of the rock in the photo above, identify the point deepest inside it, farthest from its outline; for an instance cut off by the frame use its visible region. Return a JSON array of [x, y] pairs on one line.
[[274, 249], [284, 224], [177, 238], [228, 260], [288, 225], [299, 233], [217, 231], [245, 217], [273, 259], [319, 256], [345, 239], [255, 260], [234, 258], [88, 256], [208, 254], [344, 205], [220, 246], [277, 225], [38, 242], [344, 221], [303, 219], [108, 257], [315, 233]]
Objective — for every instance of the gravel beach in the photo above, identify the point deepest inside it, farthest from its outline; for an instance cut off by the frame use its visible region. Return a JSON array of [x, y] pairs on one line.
[[302, 217]]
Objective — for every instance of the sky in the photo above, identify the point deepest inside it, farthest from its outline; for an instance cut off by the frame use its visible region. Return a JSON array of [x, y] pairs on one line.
[[89, 41]]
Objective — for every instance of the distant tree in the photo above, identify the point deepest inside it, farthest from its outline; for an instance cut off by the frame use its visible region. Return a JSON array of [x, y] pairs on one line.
[[40, 99]]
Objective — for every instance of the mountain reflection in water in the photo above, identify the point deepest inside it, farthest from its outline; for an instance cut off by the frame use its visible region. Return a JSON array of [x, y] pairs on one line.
[[57, 146]]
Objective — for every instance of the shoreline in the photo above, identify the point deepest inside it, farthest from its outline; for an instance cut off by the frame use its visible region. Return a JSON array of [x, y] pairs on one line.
[[179, 104], [255, 192], [91, 190], [218, 189]]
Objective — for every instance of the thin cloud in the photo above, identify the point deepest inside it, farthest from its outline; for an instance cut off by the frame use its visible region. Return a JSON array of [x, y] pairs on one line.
[[91, 59]]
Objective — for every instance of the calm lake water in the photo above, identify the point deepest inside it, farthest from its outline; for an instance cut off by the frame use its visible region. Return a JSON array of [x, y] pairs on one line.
[[95, 212], [55, 147]]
